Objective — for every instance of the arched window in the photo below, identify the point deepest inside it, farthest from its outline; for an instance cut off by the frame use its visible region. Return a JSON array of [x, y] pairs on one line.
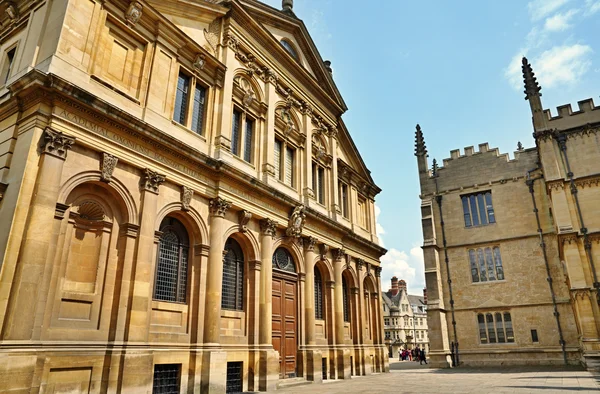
[[289, 48], [172, 265], [318, 295], [283, 260], [232, 292], [346, 299]]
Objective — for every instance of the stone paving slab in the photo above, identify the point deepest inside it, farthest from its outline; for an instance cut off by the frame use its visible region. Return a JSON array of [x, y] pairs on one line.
[[410, 377]]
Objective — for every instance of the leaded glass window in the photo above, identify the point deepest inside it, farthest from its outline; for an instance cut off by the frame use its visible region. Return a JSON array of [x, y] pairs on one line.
[[318, 294], [172, 262], [166, 379], [283, 260], [235, 132], [478, 209], [248, 140], [486, 264], [232, 291], [346, 299], [495, 328], [181, 98], [198, 109]]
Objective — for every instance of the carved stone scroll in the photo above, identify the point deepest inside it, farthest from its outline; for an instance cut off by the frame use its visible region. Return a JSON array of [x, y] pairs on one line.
[[244, 218], [186, 197]]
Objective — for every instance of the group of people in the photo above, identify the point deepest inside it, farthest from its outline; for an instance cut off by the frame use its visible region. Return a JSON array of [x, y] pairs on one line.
[[413, 355]]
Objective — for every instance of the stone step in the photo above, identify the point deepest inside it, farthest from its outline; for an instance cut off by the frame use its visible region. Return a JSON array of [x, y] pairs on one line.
[[291, 382]]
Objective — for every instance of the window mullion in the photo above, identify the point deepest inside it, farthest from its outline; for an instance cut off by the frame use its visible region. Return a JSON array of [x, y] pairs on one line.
[[180, 263]]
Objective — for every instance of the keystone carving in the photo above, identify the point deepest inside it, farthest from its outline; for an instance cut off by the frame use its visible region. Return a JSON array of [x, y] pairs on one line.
[[186, 197], [268, 227], [56, 143], [109, 162], [323, 249], [152, 180], [244, 218], [296, 222], [134, 12], [200, 62], [218, 206]]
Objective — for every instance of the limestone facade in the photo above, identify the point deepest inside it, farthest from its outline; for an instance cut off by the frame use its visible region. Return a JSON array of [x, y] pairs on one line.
[[180, 202], [404, 319], [510, 258]]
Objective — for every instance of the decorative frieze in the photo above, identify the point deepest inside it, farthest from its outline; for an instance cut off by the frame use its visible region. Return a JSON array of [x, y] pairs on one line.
[[296, 222], [268, 227], [587, 182], [151, 180], [244, 217], [56, 143], [107, 167], [186, 197], [133, 13], [218, 206]]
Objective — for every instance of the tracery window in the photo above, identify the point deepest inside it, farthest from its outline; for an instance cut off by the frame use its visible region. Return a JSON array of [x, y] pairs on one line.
[[283, 260], [318, 294], [478, 209], [486, 264], [346, 299], [172, 263], [232, 292], [495, 328]]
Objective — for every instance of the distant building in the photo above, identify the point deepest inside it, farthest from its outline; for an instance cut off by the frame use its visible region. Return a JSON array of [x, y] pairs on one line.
[[512, 246], [404, 319]]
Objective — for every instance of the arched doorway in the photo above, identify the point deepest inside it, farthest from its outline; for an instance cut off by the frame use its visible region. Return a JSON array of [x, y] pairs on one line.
[[285, 311]]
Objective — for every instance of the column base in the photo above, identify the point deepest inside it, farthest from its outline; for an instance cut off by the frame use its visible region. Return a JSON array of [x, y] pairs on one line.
[[440, 360], [214, 372], [268, 370], [314, 371]]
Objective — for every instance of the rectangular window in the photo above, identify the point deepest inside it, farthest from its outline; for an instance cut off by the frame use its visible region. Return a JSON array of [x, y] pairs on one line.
[[198, 109], [289, 166], [496, 328], [319, 183], [277, 159], [235, 132], [181, 99], [484, 266], [166, 379], [362, 212], [534, 336], [343, 196], [234, 377], [248, 140], [478, 209], [8, 64]]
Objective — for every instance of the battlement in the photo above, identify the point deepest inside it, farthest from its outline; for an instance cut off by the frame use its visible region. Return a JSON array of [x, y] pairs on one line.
[[567, 118], [483, 148]]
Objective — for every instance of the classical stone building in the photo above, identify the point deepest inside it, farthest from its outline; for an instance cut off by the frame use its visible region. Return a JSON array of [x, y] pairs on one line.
[[511, 246], [181, 206], [404, 319]]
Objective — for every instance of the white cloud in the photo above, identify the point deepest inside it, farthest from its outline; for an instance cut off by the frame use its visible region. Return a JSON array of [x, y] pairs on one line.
[[560, 22], [592, 6], [514, 72], [409, 267], [539, 9], [378, 227], [562, 65]]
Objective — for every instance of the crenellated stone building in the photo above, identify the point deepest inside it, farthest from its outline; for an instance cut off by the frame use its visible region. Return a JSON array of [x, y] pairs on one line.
[[404, 319], [511, 246], [181, 204]]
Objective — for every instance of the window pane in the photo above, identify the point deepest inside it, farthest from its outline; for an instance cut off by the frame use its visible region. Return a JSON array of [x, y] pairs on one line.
[[318, 294], [198, 110], [474, 271], [498, 259], [482, 332], [277, 159], [345, 200], [248, 140], [181, 99], [314, 178], [481, 205], [499, 328], [474, 215], [166, 378], [8, 64], [490, 327], [490, 264], [289, 166], [182, 283], [232, 288], [489, 207], [167, 267], [510, 337], [235, 133], [482, 271], [465, 202], [346, 300], [321, 186]]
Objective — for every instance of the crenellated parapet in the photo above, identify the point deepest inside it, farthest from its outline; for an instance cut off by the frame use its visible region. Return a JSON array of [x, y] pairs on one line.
[[567, 119]]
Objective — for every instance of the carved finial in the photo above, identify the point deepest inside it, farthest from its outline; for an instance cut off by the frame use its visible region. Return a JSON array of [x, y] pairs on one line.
[[134, 12], [519, 146], [327, 64], [420, 149], [287, 5], [434, 169], [532, 88]]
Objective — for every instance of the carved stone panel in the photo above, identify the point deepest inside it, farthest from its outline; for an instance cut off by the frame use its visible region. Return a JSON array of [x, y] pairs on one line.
[[218, 206], [244, 218], [109, 162], [268, 227], [296, 222], [56, 143], [151, 180], [186, 197]]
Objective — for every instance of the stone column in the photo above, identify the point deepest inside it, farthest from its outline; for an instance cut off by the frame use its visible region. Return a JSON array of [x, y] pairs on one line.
[[37, 242], [214, 277], [313, 357], [361, 316], [338, 295]]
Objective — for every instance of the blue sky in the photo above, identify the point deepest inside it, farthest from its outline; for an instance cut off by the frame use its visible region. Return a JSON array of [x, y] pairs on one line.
[[454, 68]]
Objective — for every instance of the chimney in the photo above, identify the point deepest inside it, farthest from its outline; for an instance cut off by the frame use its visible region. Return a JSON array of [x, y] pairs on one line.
[[402, 285], [425, 296], [394, 286]]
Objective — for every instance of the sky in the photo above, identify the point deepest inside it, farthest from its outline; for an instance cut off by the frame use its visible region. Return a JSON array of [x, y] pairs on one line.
[[454, 67]]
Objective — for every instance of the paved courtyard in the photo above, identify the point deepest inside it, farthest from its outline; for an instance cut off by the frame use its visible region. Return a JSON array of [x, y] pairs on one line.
[[410, 377]]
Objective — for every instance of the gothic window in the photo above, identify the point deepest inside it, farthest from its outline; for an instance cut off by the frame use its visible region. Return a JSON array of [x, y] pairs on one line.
[[486, 264], [189, 103], [495, 328], [478, 209], [283, 260], [318, 294], [232, 292], [172, 265], [346, 299], [289, 47]]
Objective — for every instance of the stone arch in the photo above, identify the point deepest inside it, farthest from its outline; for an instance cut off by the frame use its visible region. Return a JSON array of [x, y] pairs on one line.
[[191, 219], [369, 285], [241, 75], [319, 140], [116, 188], [295, 251], [351, 275], [247, 241], [282, 106]]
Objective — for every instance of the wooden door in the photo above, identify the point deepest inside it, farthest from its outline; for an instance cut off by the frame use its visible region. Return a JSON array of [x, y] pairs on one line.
[[284, 300]]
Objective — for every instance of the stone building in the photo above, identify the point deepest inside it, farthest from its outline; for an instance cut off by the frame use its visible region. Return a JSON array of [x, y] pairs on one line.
[[181, 205], [511, 246], [404, 319]]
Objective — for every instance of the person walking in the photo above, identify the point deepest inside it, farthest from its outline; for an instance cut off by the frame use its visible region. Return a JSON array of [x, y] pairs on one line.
[[422, 356]]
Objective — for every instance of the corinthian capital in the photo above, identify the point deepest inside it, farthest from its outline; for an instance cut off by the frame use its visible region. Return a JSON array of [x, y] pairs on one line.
[[338, 254], [56, 143], [218, 206], [152, 180], [309, 243], [268, 227]]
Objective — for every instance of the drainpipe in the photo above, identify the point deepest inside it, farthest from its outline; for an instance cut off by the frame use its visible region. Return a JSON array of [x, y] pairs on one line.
[[562, 143], [438, 199], [529, 182]]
